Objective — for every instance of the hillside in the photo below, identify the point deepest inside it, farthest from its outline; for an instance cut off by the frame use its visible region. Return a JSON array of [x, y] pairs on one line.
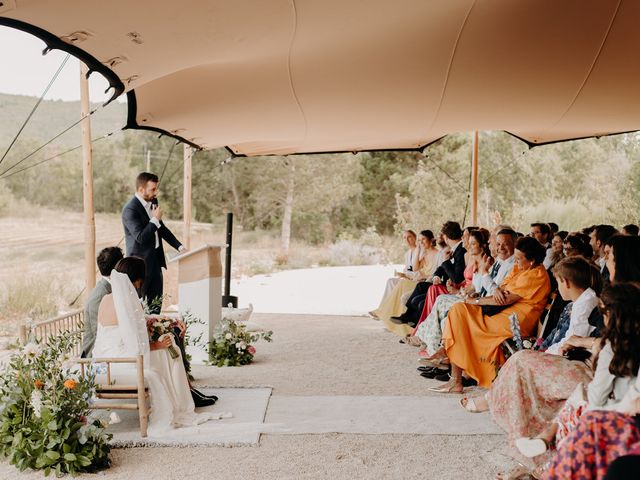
[[51, 117]]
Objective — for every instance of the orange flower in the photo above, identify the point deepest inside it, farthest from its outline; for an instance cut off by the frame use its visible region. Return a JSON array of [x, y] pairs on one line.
[[38, 384], [70, 384]]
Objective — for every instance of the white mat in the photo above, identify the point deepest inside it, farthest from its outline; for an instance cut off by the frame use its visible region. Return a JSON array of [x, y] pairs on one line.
[[434, 415], [323, 290], [248, 406]]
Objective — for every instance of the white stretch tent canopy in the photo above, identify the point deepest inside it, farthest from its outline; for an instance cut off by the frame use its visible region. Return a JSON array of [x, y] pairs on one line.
[[303, 76]]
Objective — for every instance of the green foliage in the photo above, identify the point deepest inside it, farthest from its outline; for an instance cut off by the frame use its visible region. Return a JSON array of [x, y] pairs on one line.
[[591, 180], [44, 412], [232, 344]]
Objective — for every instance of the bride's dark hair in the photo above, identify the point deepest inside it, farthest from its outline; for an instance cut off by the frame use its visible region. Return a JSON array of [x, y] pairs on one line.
[[133, 267]]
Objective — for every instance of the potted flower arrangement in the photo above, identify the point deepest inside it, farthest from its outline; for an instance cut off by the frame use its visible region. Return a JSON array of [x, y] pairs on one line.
[[45, 422], [232, 344]]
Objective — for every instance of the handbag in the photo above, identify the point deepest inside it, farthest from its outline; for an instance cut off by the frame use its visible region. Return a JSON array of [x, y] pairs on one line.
[[491, 310], [579, 354]]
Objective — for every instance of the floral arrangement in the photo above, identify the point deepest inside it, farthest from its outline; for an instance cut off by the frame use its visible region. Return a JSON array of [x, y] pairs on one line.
[[159, 327], [45, 421], [232, 345], [514, 323]]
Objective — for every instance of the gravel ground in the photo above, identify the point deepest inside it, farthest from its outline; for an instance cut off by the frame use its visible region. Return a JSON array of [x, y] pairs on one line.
[[320, 355]]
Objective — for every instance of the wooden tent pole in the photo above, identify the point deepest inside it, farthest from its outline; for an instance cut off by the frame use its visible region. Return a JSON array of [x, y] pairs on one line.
[[474, 180], [87, 184], [187, 200]]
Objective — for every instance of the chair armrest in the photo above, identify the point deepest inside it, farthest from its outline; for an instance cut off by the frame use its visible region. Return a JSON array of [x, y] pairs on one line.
[[107, 360]]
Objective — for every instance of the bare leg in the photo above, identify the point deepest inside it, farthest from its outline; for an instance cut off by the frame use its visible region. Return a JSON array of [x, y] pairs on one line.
[[441, 353], [454, 385]]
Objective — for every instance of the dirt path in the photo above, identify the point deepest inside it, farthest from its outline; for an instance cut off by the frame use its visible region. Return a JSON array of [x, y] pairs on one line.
[[321, 355]]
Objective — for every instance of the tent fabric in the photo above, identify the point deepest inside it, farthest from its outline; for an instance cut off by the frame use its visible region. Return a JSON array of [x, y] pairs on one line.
[[303, 76]]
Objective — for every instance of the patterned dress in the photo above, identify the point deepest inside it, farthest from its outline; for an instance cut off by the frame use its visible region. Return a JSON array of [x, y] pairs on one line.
[[531, 389], [430, 331], [599, 438]]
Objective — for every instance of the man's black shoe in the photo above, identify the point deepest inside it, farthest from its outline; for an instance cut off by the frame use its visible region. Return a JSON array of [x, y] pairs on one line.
[[443, 377], [436, 373], [199, 395], [468, 382], [433, 369], [202, 402], [398, 320]]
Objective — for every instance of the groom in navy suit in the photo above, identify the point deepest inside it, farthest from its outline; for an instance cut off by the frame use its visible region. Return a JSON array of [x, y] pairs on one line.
[[144, 232]]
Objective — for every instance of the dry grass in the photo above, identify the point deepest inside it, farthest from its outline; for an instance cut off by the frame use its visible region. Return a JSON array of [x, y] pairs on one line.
[[42, 258]]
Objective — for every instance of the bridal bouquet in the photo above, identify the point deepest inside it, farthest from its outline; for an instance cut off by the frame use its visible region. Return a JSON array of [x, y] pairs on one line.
[[45, 420], [158, 327], [232, 345]]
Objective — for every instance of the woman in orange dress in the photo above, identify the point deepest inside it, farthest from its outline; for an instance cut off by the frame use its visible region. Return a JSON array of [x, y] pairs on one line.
[[472, 340]]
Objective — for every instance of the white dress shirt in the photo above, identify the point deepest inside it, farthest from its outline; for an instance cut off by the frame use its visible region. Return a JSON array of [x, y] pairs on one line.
[[408, 259], [579, 321], [147, 206], [490, 284]]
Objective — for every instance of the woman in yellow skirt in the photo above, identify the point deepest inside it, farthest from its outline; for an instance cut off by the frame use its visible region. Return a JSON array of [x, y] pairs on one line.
[[394, 303]]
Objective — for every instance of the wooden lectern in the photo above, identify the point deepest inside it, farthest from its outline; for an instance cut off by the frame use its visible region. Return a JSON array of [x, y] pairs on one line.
[[199, 291]]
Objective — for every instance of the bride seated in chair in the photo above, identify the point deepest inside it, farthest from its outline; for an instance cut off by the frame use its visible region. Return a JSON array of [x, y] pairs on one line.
[[122, 332]]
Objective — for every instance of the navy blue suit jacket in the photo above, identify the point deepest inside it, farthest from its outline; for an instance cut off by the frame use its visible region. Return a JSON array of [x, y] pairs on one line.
[[139, 234], [452, 269]]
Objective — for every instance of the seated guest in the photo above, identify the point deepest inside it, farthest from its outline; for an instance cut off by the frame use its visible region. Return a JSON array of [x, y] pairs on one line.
[[598, 237], [107, 260], [472, 339], [623, 258], [615, 374], [466, 232], [630, 229], [532, 386], [555, 253], [604, 445], [478, 247], [393, 304], [542, 233], [452, 268], [411, 258], [486, 280], [577, 244]]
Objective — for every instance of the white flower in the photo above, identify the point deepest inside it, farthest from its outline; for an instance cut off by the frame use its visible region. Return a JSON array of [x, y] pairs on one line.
[[114, 418], [32, 349], [228, 336], [238, 345], [36, 402], [243, 345]]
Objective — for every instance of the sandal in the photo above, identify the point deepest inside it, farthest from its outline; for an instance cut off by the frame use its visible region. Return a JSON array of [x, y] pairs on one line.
[[532, 447], [446, 388], [413, 341], [469, 404]]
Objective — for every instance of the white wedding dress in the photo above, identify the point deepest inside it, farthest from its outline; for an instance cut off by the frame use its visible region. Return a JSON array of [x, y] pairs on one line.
[[171, 402]]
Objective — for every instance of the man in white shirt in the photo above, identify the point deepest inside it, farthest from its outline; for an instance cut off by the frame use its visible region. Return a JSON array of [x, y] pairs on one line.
[[490, 277], [144, 231]]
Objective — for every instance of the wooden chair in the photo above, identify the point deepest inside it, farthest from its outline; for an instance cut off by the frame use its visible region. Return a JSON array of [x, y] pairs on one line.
[[109, 391]]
